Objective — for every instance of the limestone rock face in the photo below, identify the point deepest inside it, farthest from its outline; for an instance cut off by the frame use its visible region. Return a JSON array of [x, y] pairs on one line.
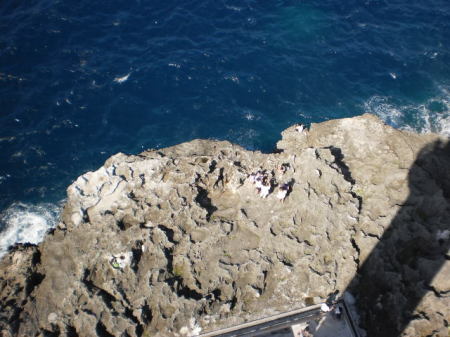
[[176, 241]]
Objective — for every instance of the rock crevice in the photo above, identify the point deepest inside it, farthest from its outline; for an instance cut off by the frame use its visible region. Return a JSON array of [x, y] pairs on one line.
[[206, 234]]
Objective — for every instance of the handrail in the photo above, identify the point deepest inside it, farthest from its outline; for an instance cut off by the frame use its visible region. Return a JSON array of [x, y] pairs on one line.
[[261, 321], [313, 310]]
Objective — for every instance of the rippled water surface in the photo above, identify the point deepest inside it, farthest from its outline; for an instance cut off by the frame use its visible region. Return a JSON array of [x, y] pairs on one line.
[[82, 80]]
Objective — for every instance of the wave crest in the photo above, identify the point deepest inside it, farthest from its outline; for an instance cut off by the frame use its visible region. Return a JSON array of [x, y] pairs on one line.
[[26, 223], [430, 116]]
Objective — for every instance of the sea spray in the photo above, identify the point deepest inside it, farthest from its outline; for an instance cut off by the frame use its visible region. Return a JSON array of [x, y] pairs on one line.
[[433, 115], [26, 223]]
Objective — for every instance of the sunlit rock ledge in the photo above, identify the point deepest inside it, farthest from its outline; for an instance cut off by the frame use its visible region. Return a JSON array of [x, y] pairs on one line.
[[183, 240]]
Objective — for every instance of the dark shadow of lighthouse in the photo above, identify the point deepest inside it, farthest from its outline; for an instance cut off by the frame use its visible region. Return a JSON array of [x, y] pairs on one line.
[[404, 272]]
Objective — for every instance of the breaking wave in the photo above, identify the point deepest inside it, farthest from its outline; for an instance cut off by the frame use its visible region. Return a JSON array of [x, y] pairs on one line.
[[26, 223], [430, 116]]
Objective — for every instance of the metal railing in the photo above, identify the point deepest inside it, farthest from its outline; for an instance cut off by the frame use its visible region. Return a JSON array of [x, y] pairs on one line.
[[281, 321]]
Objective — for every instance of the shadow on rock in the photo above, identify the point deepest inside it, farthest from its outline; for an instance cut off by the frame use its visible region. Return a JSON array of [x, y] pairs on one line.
[[403, 287]]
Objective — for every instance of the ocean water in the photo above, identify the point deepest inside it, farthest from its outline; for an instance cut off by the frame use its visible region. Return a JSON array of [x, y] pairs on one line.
[[82, 80]]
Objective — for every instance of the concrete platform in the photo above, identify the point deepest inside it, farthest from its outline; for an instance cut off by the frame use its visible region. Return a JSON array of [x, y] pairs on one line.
[[306, 322]]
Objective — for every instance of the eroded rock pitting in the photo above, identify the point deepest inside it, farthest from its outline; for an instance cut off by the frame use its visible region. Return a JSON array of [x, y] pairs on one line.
[[171, 241]]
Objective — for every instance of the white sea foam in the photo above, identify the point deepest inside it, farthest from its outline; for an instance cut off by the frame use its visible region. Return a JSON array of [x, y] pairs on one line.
[[232, 78], [234, 8], [249, 116], [380, 106], [122, 78], [2, 178], [22, 223], [431, 116]]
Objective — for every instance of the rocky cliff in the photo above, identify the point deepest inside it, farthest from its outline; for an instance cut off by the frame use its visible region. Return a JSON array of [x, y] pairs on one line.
[[176, 241]]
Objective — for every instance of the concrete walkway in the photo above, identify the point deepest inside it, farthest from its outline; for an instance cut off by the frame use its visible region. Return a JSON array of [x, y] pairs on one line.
[[306, 322]]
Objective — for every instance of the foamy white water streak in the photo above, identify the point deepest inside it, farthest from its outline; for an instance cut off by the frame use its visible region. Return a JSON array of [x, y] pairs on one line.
[[22, 223], [430, 116]]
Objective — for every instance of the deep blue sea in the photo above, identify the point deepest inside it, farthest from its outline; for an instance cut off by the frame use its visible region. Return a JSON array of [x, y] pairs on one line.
[[81, 80]]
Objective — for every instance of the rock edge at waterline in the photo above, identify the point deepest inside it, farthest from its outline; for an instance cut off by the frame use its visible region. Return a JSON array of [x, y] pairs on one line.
[[176, 241]]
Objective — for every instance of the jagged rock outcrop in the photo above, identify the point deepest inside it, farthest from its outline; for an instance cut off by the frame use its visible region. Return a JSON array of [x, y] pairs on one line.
[[178, 240]]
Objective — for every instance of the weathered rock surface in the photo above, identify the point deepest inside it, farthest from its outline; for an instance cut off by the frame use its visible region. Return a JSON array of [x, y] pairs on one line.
[[172, 241]]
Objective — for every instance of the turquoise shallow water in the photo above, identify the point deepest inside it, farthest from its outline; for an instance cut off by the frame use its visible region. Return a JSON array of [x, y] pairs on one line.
[[82, 80]]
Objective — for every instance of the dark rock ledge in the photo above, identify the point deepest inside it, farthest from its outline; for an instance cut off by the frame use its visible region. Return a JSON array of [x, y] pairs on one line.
[[169, 242]]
